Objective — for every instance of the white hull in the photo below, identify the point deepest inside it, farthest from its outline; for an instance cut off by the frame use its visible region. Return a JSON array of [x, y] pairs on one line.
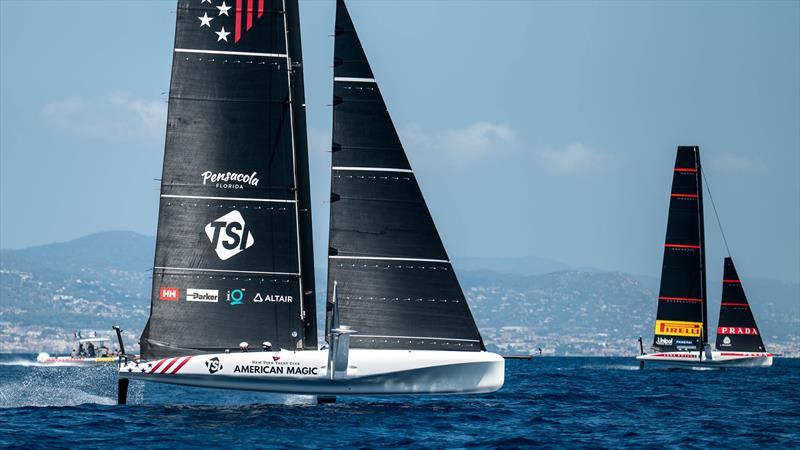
[[717, 359], [369, 372]]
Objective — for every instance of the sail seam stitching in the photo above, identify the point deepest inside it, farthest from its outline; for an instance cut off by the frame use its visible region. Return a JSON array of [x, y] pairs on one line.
[[228, 52], [227, 271], [201, 197], [373, 169], [390, 258]]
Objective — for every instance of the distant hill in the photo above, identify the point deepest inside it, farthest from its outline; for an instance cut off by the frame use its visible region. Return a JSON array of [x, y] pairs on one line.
[[588, 312], [48, 291], [525, 265], [90, 283], [119, 250]]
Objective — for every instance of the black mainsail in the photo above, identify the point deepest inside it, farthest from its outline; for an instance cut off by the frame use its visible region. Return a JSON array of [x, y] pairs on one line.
[[395, 284], [233, 256], [737, 329], [681, 317]]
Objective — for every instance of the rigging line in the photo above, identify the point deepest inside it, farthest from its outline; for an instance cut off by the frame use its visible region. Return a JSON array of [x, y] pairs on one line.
[[714, 206]]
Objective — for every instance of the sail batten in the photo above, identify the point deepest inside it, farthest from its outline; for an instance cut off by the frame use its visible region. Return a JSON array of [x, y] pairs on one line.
[[395, 284]]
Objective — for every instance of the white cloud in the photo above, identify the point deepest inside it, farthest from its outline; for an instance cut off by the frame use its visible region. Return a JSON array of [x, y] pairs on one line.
[[737, 164], [458, 146], [118, 116], [574, 159]]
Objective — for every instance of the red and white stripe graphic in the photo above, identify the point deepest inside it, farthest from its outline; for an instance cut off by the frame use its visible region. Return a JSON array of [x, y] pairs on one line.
[[248, 11], [170, 365]]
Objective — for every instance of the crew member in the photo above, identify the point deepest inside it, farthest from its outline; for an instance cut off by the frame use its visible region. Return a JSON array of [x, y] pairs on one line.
[[267, 346]]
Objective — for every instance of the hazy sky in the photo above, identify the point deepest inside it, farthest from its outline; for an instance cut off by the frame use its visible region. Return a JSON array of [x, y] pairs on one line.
[[535, 128]]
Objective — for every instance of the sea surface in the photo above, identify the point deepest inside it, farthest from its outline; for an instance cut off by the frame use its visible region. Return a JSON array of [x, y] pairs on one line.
[[547, 402]]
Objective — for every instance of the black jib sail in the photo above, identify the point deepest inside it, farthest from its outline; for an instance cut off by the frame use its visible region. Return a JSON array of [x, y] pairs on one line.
[[736, 330], [395, 285], [233, 256], [681, 318]]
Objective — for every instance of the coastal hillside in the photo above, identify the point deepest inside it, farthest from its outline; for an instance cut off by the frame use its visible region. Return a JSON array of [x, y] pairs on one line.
[[48, 292]]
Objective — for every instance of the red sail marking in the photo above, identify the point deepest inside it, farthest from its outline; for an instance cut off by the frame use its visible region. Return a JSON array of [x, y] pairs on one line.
[[682, 169], [685, 195], [682, 299], [681, 246], [183, 363], [731, 281], [171, 363], [249, 14], [260, 8], [157, 365], [735, 304], [238, 28]]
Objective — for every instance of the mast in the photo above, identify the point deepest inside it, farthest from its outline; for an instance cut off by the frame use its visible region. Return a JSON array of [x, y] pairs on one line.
[[736, 329], [681, 315], [395, 285], [702, 249], [233, 250], [302, 177]]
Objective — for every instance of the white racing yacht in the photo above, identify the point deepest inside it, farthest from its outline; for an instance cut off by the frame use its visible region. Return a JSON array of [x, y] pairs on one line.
[[681, 328], [233, 297]]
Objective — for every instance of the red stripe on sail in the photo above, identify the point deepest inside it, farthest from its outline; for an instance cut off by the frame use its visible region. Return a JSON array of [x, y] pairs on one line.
[[681, 246], [735, 304], [238, 28], [731, 281], [171, 363], [681, 169], [183, 363], [685, 195], [682, 299], [249, 14], [260, 8], [158, 365]]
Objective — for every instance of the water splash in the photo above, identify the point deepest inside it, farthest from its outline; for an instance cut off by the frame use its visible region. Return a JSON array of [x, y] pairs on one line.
[[44, 386], [29, 363]]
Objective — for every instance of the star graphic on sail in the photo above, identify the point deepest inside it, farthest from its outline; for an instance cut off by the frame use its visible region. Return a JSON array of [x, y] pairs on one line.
[[240, 18], [205, 20], [223, 9], [223, 35]]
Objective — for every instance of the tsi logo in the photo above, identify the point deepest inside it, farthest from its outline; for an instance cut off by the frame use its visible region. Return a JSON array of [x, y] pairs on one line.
[[229, 235], [214, 365]]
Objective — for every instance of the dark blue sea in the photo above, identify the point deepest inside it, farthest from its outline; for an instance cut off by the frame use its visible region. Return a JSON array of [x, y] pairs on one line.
[[546, 402]]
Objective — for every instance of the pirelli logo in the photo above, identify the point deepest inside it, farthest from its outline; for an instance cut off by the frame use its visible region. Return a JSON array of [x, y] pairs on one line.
[[675, 328]]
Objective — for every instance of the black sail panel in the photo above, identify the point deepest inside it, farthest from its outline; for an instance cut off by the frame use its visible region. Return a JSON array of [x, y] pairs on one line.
[[229, 265], [680, 320], [395, 284], [737, 329]]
